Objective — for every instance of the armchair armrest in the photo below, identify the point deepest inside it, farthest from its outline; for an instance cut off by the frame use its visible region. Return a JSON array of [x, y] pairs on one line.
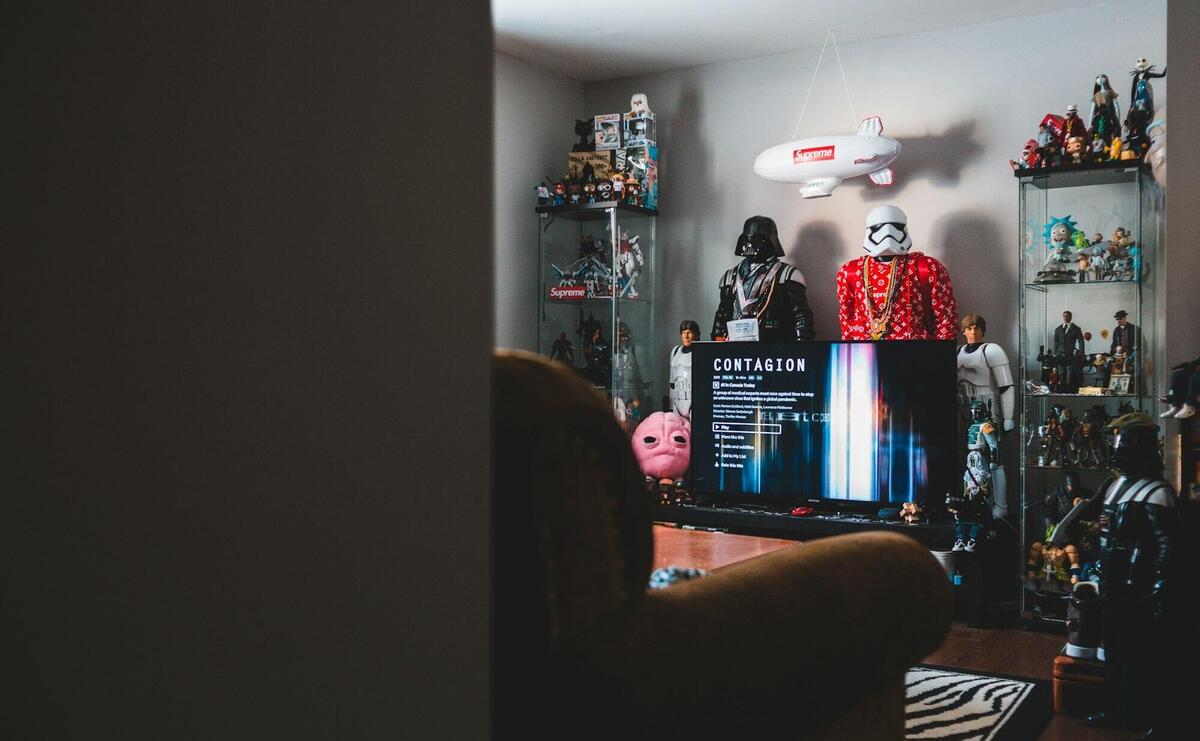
[[792, 639]]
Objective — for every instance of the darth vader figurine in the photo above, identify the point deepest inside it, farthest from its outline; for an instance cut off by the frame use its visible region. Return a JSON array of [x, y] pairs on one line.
[[891, 293], [764, 287], [1139, 525]]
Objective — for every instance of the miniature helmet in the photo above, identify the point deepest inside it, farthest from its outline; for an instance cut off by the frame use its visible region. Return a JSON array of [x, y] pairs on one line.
[[979, 411], [690, 324], [1135, 447], [887, 232], [759, 238]]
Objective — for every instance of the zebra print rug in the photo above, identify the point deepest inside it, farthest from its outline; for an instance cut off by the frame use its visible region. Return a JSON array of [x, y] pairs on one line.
[[949, 704]]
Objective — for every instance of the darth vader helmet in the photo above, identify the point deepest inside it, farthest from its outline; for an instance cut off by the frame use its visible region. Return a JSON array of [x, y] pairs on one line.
[[887, 232], [759, 239]]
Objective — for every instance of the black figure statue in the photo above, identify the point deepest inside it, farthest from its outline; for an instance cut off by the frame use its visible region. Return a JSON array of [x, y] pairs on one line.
[[1139, 523], [764, 287]]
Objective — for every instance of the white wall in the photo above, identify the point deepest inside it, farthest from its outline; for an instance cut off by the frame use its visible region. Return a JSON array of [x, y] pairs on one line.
[[961, 101], [535, 112]]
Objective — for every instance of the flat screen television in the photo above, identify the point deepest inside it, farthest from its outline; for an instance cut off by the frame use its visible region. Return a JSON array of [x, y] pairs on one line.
[[840, 426]]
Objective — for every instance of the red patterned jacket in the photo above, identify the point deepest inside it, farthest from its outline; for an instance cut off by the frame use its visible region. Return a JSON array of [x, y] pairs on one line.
[[923, 302]]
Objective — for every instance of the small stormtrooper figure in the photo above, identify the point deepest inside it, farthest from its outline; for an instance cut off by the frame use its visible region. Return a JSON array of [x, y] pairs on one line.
[[681, 369]]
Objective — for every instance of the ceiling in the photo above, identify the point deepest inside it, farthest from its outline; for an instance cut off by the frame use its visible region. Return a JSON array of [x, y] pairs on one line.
[[611, 39]]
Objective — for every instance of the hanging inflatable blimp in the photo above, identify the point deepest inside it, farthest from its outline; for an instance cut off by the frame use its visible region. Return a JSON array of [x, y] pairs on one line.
[[821, 163]]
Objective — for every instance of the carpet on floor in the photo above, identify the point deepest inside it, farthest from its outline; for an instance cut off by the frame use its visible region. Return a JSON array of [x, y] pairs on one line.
[[952, 704]]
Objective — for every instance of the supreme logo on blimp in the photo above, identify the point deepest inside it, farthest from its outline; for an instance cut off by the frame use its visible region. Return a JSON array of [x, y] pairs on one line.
[[812, 154]]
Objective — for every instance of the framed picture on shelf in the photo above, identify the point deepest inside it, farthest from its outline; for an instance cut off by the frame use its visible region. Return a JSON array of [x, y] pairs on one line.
[[1118, 385]]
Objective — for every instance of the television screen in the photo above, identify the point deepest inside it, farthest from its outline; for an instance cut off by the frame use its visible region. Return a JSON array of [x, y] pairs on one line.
[[847, 425]]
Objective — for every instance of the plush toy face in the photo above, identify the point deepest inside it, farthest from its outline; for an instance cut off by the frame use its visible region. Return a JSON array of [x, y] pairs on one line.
[[662, 444]]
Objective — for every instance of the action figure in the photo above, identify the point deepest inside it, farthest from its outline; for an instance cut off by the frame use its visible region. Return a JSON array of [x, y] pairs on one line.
[[681, 369], [628, 373], [1139, 519], [1141, 106], [662, 445], [763, 287], [630, 262], [543, 195], [1072, 126], [891, 293], [604, 190], [972, 508], [633, 192], [1106, 111], [1089, 441], [598, 357], [1076, 150], [1058, 236], [1068, 353], [910, 512], [562, 349], [1126, 336], [984, 377]]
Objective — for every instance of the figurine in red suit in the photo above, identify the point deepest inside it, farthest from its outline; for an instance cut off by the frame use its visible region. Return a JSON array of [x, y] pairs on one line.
[[891, 293]]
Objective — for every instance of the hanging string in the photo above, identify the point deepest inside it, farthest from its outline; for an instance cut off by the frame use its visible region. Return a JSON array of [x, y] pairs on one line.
[[811, 82], [829, 36], [853, 116]]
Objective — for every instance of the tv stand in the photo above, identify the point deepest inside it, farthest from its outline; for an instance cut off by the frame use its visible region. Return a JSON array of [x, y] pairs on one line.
[[779, 523]]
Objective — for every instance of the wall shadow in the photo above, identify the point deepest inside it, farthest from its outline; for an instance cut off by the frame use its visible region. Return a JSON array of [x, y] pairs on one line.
[[817, 249], [938, 159]]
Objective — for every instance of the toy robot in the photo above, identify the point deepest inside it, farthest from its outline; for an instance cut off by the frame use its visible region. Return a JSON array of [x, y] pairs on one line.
[[891, 293], [681, 369], [1139, 523], [763, 287]]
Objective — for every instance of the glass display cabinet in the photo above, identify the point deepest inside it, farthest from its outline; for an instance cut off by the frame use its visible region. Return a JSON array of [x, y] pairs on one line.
[[1089, 272], [596, 300]]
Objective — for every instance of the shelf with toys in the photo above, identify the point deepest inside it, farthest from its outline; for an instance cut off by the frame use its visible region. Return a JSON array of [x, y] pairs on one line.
[[1089, 267]]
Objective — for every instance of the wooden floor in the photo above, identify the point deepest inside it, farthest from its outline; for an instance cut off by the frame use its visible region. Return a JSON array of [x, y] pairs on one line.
[[1014, 652]]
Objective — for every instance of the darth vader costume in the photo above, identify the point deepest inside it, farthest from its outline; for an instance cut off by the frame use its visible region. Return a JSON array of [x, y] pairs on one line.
[[765, 288]]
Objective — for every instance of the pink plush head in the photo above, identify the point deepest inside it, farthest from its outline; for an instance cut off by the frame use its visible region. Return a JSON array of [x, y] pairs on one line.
[[662, 444]]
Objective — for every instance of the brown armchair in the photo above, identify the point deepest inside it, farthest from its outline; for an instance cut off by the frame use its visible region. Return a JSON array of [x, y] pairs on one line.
[[811, 640]]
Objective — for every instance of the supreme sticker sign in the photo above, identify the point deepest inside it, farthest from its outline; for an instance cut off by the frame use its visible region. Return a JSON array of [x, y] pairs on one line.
[[812, 154]]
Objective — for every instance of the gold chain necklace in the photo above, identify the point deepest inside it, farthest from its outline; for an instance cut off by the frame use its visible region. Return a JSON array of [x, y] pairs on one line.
[[877, 321]]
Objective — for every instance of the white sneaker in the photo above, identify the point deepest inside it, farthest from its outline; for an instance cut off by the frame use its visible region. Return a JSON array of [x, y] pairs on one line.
[[970, 546], [1187, 411], [1170, 412], [958, 545]]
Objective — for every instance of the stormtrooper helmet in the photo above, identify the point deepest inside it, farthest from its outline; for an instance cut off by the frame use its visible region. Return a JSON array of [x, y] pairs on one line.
[[887, 232]]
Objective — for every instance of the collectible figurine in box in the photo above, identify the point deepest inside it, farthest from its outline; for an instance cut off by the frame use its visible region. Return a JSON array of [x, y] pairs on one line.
[[639, 123], [891, 293], [641, 164], [608, 131], [630, 262]]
